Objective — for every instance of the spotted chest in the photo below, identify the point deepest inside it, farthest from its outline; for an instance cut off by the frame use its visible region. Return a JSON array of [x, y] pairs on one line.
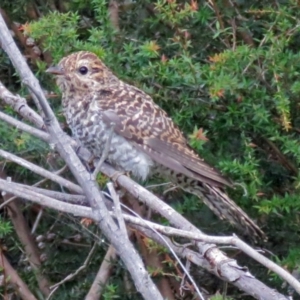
[[88, 127]]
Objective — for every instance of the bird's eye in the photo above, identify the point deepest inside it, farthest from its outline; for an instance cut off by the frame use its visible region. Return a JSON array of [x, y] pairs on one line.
[[83, 70]]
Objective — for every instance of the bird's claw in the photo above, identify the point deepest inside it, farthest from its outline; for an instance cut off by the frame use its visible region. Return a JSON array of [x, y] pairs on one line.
[[116, 175]]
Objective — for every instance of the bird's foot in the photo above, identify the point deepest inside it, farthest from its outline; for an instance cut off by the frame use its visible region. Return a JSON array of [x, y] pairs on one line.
[[116, 175]]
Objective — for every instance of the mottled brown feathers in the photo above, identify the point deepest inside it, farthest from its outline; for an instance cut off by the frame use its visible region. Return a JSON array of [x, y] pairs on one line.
[[145, 139]]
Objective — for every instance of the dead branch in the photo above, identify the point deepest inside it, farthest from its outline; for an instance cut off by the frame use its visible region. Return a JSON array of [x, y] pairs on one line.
[[32, 187], [105, 222], [25, 237], [41, 171], [75, 199], [24, 127], [150, 199], [103, 274], [113, 9], [117, 208], [219, 261], [11, 276], [209, 251]]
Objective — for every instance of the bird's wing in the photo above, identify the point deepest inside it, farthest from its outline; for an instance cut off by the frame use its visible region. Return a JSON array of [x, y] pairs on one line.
[[135, 116]]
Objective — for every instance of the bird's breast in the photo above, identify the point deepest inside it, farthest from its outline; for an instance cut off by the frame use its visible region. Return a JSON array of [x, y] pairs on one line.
[[88, 127]]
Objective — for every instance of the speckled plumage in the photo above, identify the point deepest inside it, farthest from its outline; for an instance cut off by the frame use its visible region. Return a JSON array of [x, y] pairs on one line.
[[144, 141]]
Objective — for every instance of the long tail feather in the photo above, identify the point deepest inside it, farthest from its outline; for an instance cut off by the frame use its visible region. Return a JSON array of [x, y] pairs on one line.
[[225, 208], [217, 201]]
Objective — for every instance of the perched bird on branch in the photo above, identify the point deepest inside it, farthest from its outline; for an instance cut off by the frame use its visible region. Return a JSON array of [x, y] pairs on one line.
[[143, 139]]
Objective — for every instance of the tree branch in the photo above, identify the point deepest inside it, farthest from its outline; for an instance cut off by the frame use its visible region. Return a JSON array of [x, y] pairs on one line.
[[41, 171], [24, 127], [105, 222], [220, 262], [175, 218], [12, 276], [19, 104], [26, 239], [211, 258], [102, 275]]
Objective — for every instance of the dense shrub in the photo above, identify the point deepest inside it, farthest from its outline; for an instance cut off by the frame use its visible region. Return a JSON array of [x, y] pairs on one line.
[[228, 76]]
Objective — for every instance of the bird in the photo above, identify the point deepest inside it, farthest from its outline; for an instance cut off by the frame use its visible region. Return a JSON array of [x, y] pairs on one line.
[[144, 140]]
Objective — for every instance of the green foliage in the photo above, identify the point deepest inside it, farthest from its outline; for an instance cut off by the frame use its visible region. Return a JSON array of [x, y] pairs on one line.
[[111, 292], [53, 25], [293, 259], [229, 77], [5, 228], [220, 297]]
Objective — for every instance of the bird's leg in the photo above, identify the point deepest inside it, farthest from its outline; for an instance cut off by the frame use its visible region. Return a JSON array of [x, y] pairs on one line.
[[105, 151], [117, 174]]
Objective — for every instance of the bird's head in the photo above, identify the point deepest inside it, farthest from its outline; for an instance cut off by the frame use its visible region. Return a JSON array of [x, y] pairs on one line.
[[81, 71]]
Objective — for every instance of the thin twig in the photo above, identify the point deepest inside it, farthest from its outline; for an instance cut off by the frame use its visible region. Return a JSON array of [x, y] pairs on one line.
[[74, 274], [33, 187], [37, 220], [24, 127], [41, 171], [62, 196], [117, 208], [187, 273], [183, 280]]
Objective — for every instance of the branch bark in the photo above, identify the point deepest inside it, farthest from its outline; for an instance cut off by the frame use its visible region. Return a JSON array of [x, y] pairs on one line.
[[102, 275]]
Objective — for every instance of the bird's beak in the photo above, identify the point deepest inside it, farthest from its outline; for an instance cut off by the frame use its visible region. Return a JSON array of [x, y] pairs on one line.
[[55, 70]]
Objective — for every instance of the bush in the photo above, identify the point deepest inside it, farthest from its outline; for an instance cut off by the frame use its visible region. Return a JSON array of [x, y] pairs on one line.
[[228, 76]]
